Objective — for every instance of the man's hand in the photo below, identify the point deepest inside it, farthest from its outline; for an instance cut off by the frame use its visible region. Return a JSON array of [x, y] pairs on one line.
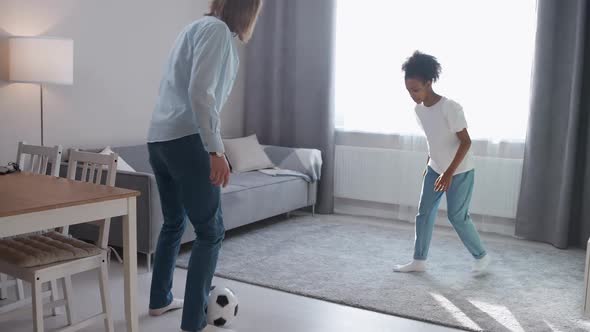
[[219, 170], [443, 183]]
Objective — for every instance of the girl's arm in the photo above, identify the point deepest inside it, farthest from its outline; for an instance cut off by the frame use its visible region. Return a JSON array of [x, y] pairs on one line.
[[443, 183], [461, 152]]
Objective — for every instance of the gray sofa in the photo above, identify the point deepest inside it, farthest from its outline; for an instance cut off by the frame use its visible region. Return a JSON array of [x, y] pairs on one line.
[[248, 198]]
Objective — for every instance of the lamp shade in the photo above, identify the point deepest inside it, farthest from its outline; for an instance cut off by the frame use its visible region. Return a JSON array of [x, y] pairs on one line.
[[41, 60]]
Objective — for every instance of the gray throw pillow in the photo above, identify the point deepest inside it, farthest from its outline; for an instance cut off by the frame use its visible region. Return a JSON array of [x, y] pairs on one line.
[[246, 154]]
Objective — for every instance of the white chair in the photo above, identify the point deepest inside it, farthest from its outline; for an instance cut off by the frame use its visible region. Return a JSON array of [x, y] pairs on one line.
[[59, 263], [33, 159], [36, 159]]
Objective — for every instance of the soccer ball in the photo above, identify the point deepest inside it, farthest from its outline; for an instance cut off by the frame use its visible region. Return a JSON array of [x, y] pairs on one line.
[[222, 308]]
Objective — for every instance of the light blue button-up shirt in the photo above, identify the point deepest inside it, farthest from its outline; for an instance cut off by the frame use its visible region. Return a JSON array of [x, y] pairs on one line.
[[198, 78]]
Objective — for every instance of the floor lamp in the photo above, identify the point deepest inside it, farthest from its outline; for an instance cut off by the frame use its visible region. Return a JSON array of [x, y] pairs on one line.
[[40, 60]]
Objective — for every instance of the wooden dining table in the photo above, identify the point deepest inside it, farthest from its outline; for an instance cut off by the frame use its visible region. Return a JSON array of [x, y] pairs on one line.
[[31, 203]]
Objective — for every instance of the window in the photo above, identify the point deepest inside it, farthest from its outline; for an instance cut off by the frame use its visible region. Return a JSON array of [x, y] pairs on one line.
[[485, 48]]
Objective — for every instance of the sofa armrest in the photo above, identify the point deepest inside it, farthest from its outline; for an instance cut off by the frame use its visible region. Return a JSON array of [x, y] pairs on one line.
[[306, 161], [149, 215]]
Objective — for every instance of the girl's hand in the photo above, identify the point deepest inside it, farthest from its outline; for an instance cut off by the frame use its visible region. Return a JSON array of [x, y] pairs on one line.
[[443, 183]]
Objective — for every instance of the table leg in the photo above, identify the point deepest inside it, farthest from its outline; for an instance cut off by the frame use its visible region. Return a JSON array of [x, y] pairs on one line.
[[130, 262]]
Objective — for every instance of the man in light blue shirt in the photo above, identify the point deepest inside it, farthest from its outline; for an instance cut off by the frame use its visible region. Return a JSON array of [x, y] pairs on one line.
[[187, 154], [198, 78]]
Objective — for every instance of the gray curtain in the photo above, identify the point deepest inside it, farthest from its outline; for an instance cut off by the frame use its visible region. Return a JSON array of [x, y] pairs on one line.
[[289, 88], [554, 203]]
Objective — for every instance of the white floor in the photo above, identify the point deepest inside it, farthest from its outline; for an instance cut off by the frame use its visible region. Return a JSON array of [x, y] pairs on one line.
[[261, 310]]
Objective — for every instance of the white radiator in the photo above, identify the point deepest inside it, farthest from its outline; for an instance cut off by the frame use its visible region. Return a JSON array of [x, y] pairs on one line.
[[395, 177]]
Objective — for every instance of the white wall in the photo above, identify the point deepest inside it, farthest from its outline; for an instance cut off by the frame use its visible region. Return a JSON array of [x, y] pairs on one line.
[[120, 49]]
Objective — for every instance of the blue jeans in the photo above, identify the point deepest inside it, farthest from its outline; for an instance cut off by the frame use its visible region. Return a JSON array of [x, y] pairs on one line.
[[182, 169], [458, 200]]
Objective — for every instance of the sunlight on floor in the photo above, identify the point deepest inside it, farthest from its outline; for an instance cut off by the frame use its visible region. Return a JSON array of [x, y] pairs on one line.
[[456, 312], [501, 314], [584, 324]]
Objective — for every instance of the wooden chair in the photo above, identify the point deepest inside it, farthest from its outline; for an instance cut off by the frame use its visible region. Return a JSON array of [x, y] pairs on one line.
[[39, 158], [33, 159], [62, 266]]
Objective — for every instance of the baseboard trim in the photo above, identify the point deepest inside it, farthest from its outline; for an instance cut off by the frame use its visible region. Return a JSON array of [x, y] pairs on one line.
[[485, 224]]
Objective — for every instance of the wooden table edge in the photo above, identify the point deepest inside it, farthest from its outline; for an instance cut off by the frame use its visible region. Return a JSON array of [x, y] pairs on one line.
[[127, 195]]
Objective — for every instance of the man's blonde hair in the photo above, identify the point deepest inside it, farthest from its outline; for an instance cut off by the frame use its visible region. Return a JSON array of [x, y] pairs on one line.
[[239, 15]]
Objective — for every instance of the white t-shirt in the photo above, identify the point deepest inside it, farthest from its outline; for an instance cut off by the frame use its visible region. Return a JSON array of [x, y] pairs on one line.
[[441, 122]]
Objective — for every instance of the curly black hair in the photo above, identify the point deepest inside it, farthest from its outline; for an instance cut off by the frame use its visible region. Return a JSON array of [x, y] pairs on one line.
[[422, 66]]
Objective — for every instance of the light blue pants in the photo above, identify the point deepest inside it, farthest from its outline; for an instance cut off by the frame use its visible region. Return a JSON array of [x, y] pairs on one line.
[[458, 200]]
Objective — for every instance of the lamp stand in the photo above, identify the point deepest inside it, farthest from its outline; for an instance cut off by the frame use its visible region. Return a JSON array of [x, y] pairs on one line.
[[41, 102]]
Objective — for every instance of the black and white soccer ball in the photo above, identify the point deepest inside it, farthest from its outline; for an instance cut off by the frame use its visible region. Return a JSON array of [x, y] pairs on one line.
[[222, 308]]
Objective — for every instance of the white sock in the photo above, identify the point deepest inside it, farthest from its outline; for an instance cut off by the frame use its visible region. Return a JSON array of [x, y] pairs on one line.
[[414, 266], [175, 304], [480, 266]]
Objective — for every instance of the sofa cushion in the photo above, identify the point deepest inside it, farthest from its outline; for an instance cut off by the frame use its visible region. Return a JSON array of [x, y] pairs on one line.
[[262, 197], [251, 180], [136, 156], [246, 154], [231, 188]]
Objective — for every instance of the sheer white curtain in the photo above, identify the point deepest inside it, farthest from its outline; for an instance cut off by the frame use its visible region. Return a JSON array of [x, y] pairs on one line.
[[485, 48], [486, 51]]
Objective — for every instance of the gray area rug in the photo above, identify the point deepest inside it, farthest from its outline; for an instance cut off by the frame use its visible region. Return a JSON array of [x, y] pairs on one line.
[[349, 260]]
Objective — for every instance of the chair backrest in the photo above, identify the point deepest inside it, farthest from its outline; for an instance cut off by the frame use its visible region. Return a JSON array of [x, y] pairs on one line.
[[36, 159], [89, 167], [92, 167]]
